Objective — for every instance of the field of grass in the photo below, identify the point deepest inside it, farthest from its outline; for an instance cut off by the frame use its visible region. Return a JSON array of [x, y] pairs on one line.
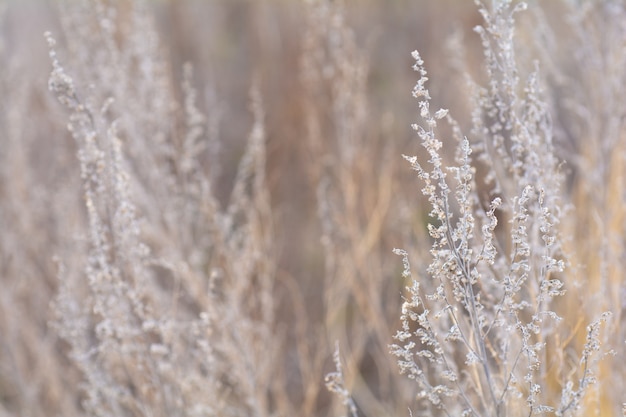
[[312, 208]]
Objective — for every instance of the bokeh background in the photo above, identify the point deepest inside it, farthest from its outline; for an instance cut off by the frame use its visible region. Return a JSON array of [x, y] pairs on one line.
[[334, 81]]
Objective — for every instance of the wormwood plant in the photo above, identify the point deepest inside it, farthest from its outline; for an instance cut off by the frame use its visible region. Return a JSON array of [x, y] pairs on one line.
[[172, 314], [183, 289], [478, 325]]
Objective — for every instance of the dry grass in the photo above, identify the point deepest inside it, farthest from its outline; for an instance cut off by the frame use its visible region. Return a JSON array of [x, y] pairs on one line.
[[223, 209]]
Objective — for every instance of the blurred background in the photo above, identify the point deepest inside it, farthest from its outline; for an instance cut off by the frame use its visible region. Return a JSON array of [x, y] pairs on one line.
[[334, 79]]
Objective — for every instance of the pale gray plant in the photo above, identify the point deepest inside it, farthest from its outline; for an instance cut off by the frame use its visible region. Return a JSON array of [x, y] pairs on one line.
[[335, 383], [474, 334], [146, 271], [176, 326]]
